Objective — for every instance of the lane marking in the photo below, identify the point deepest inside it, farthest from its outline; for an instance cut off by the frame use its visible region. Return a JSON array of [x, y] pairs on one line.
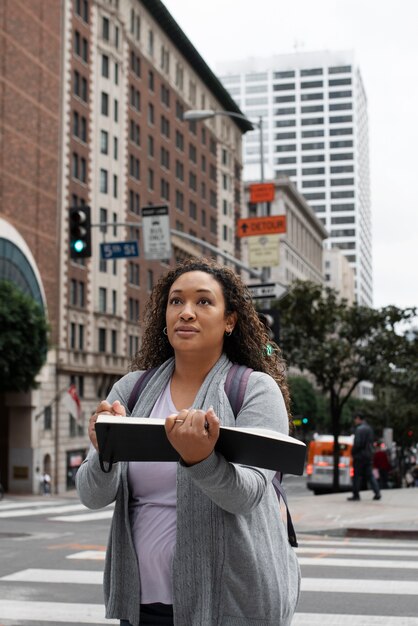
[[367, 563], [378, 552], [327, 619], [367, 544], [84, 517], [54, 612], [88, 555], [71, 576], [44, 511], [343, 585]]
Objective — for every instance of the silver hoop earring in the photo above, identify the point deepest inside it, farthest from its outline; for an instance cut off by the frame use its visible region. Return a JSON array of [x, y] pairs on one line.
[[165, 330], [228, 333]]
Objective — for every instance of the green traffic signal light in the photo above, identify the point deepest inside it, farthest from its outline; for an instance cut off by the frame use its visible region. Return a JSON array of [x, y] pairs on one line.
[[80, 232], [305, 420]]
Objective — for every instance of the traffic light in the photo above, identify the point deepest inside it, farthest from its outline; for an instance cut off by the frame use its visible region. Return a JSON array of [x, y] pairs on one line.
[[80, 232]]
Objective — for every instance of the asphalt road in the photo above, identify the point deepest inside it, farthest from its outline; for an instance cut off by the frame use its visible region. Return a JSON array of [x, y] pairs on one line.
[[51, 561]]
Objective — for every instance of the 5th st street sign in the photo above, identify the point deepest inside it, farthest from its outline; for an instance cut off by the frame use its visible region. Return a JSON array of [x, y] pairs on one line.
[[252, 226]]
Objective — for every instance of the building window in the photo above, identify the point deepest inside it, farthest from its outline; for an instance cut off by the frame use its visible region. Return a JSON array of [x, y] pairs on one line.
[[102, 299], [105, 28], [103, 181], [104, 104], [102, 340], [104, 141], [114, 341], [105, 66]]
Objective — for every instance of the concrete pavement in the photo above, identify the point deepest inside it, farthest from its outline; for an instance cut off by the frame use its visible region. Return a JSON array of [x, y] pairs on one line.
[[395, 515]]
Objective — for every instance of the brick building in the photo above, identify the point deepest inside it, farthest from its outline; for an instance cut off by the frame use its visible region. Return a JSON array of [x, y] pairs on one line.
[[92, 95]]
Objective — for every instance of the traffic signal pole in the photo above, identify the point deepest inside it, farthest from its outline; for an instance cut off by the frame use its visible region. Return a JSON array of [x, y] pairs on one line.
[[196, 240]]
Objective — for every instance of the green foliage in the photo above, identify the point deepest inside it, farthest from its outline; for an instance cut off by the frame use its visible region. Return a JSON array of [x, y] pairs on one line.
[[303, 397], [342, 345], [23, 339]]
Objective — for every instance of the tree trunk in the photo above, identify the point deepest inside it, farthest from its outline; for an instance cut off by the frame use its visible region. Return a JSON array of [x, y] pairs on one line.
[[335, 409]]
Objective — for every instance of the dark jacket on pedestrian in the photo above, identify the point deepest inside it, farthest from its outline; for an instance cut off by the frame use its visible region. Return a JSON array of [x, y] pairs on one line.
[[363, 442]]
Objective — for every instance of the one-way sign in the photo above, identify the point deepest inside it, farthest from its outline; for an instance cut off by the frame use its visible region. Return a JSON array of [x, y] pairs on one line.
[[266, 290]]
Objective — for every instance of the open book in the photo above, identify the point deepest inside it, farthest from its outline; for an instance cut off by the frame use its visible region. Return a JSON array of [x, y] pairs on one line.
[[144, 439]]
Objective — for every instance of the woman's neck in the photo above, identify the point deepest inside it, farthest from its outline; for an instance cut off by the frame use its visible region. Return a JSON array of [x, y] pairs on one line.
[[192, 372]]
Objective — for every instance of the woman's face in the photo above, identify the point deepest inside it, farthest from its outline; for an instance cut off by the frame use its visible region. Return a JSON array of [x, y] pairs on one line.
[[195, 315]]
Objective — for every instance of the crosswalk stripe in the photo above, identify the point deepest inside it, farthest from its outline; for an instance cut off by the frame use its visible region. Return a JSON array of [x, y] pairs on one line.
[[8, 505], [366, 563], [344, 585], [42, 511], [322, 619], [53, 612], [81, 577], [84, 517], [344, 550], [88, 555], [407, 544]]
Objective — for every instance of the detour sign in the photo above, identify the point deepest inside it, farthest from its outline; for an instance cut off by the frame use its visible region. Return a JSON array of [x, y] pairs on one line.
[[261, 192], [251, 226]]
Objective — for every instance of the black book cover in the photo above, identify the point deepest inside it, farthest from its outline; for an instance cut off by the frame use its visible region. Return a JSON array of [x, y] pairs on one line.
[[144, 439]]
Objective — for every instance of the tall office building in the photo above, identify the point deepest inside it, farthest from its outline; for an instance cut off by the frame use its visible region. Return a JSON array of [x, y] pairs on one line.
[[314, 112]]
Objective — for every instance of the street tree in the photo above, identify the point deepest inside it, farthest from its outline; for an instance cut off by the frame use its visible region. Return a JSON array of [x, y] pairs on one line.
[[23, 339], [340, 345]]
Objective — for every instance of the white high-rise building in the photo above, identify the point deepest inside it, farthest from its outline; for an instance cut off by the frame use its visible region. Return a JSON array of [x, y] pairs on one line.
[[315, 129]]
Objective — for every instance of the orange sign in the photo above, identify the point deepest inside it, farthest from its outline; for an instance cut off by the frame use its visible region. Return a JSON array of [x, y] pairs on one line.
[[262, 192], [251, 226]]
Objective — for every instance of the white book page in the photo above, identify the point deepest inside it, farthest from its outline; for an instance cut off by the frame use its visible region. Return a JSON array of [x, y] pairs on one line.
[[261, 432]]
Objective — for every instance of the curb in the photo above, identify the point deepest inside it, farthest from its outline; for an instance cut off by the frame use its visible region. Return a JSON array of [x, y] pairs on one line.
[[374, 533]]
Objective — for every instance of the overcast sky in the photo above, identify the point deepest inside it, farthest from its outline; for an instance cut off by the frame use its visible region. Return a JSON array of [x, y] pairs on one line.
[[383, 35]]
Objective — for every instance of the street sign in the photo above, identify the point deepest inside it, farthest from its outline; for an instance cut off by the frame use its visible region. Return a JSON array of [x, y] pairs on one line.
[[262, 192], [119, 250], [266, 290], [252, 226], [263, 251], [156, 232]]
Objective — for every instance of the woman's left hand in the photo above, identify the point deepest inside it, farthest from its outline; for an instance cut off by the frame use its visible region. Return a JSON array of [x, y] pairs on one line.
[[193, 433]]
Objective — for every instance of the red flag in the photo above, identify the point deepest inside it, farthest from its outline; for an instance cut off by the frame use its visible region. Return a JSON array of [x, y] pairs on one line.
[[72, 402]]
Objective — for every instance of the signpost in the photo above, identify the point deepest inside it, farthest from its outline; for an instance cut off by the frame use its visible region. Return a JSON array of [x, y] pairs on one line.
[[156, 232], [119, 250], [252, 226]]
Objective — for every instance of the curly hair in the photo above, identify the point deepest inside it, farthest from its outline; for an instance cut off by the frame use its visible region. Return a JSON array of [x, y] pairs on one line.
[[249, 343]]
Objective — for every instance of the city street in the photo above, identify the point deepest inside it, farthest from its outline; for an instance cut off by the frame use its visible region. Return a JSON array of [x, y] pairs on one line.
[[52, 551]]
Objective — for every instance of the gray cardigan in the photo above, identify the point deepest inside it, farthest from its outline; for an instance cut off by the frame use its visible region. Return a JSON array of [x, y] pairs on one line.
[[233, 565]]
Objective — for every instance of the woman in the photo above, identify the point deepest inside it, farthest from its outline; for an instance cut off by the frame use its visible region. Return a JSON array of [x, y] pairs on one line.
[[199, 542]]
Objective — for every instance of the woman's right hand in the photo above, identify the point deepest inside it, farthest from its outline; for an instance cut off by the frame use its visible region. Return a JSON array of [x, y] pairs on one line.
[[116, 408]]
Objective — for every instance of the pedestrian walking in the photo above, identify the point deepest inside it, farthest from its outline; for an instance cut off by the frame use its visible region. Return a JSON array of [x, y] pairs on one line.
[[382, 465], [362, 453], [199, 542], [46, 484]]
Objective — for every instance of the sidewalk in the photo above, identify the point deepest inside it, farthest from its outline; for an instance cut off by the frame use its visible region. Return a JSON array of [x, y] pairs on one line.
[[395, 515]]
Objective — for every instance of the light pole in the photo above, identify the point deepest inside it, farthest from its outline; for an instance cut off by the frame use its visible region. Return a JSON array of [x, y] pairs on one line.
[[205, 114]]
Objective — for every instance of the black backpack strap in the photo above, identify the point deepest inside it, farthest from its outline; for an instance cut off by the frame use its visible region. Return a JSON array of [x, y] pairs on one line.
[[141, 382], [280, 493]]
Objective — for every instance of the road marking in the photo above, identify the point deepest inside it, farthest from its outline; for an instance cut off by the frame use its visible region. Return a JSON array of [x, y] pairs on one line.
[[44, 511], [71, 576], [407, 544], [334, 562], [84, 517], [322, 619], [54, 612], [398, 587], [365, 552], [88, 555], [24, 505]]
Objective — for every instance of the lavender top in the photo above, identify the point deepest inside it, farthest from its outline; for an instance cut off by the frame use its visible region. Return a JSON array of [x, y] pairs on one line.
[[152, 511]]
